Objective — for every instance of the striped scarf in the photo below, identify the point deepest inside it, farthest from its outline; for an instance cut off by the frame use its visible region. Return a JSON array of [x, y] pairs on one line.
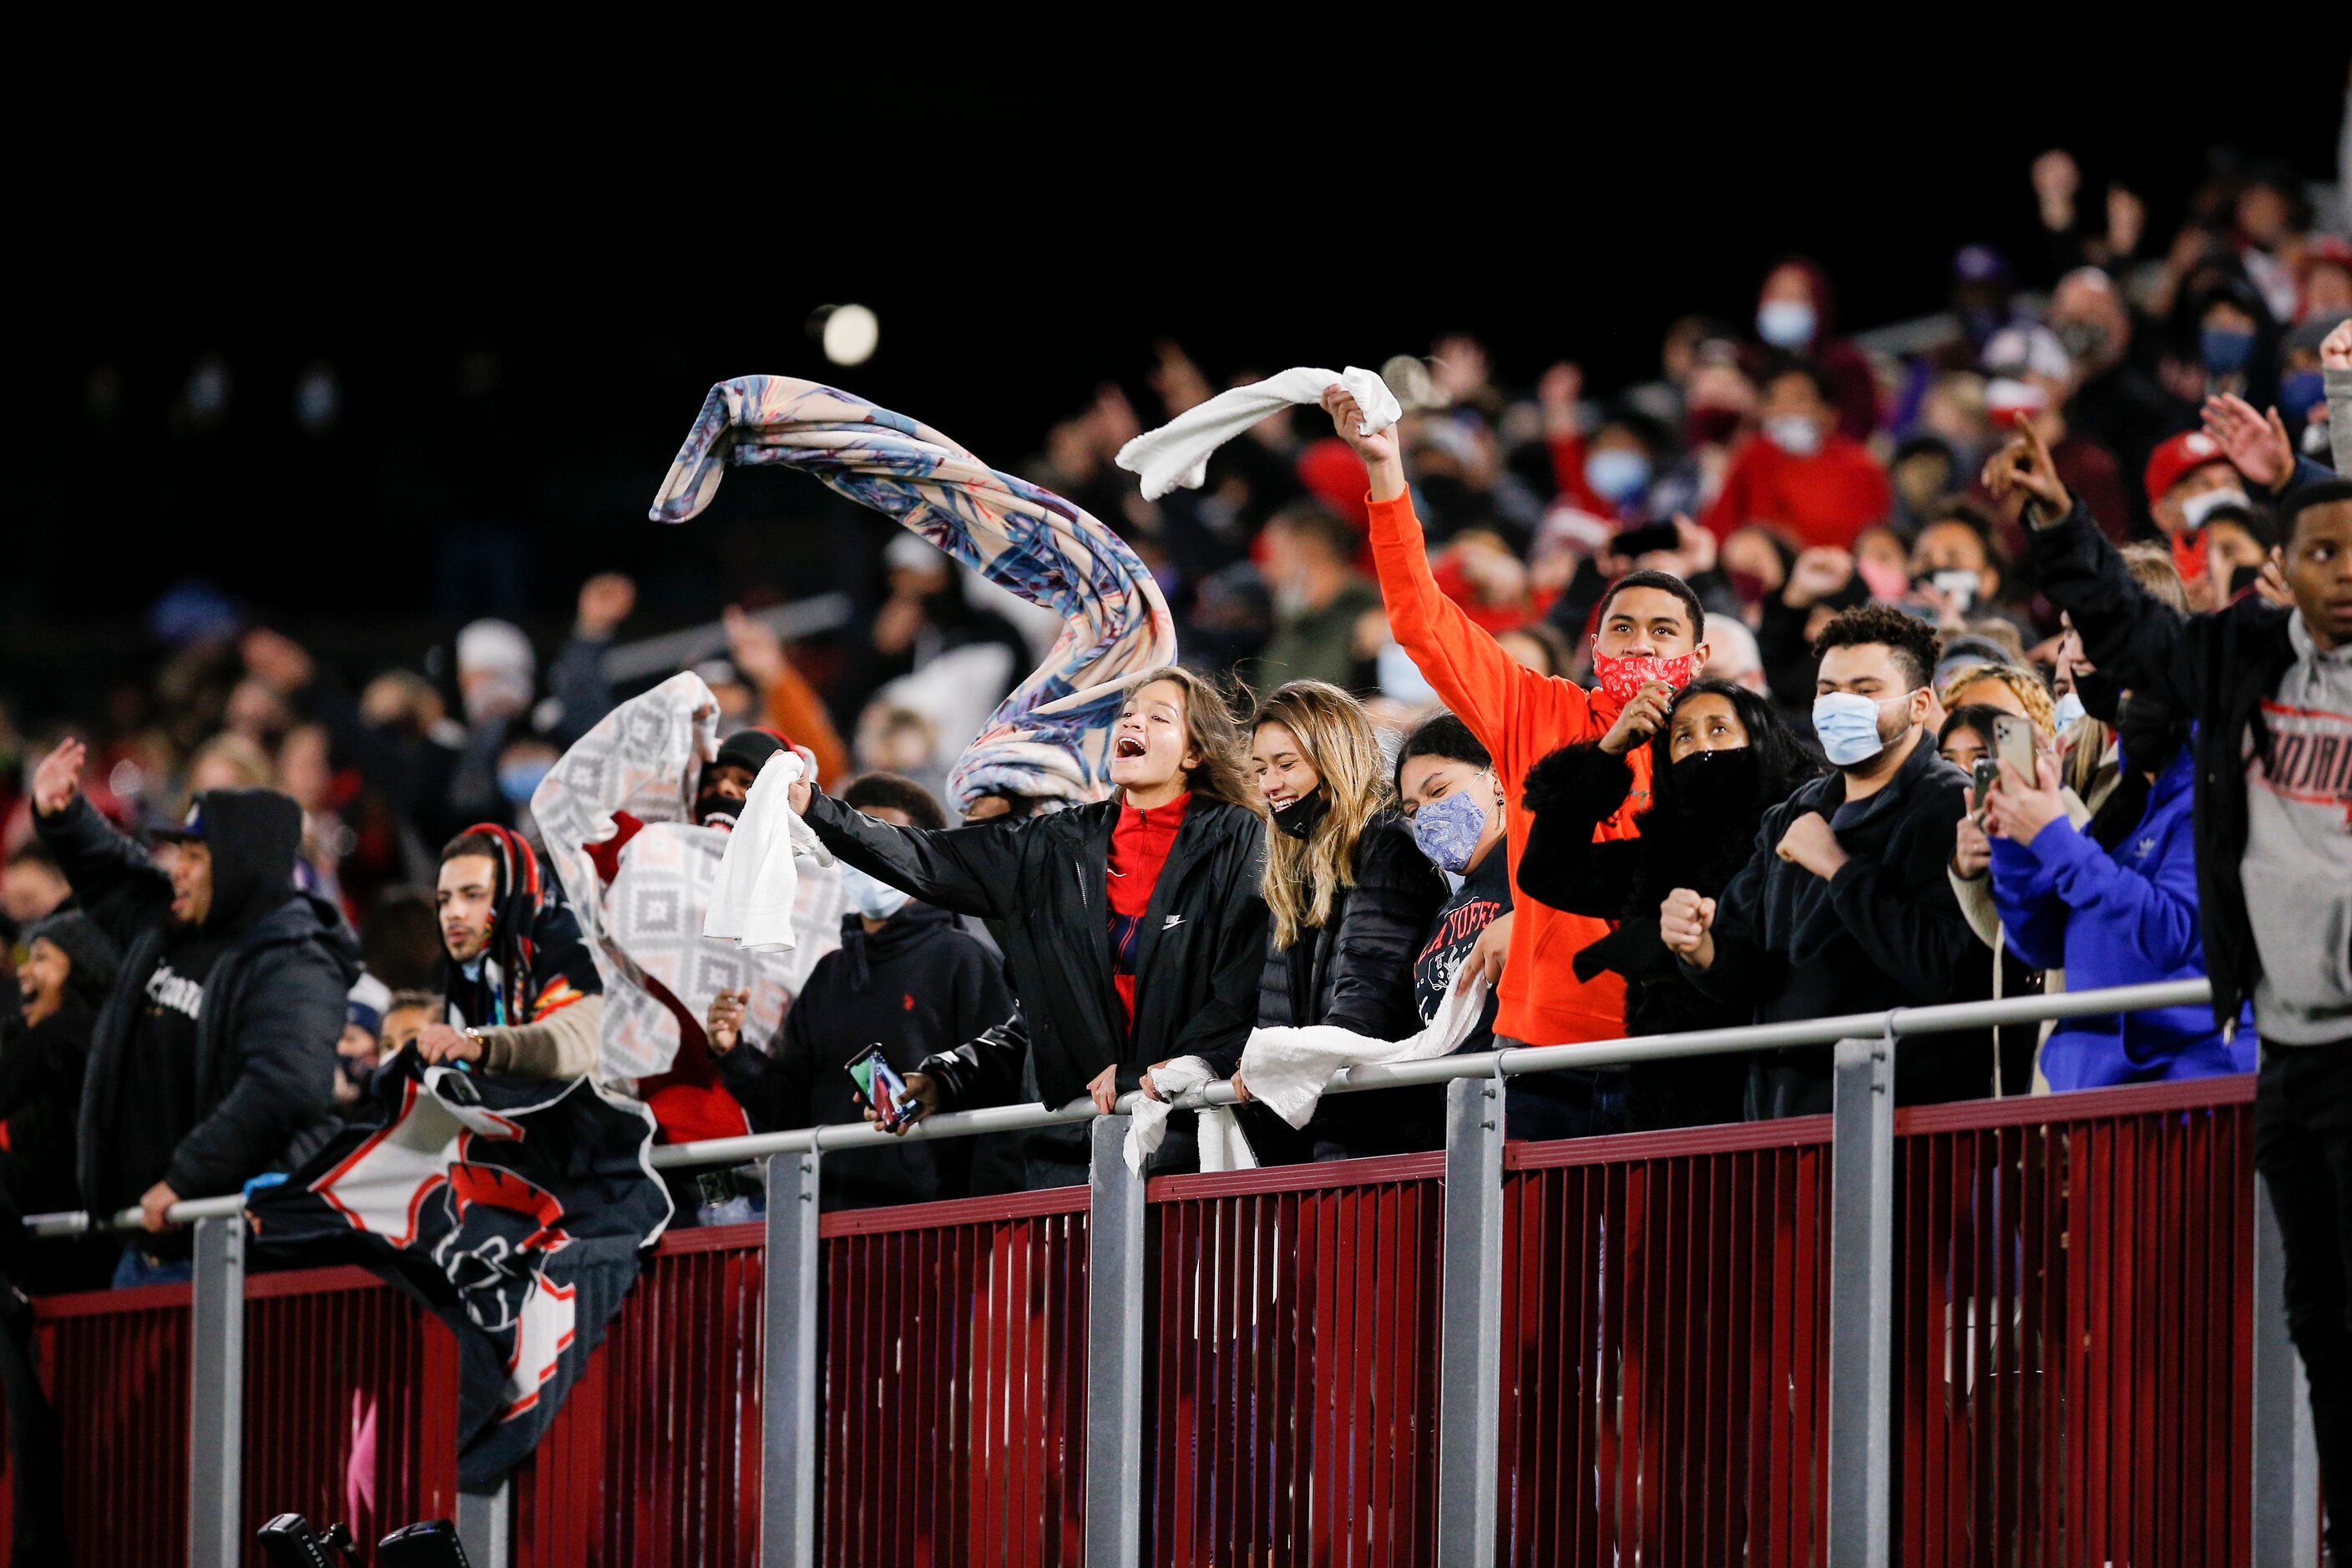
[[1051, 737]]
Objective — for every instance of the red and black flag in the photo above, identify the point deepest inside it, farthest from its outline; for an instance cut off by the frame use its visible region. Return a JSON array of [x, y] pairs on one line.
[[514, 1209]]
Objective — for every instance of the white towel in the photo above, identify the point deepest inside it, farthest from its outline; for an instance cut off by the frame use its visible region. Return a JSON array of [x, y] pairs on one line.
[[1176, 456], [752, 902], [1286, 1069], [1222, 1147]]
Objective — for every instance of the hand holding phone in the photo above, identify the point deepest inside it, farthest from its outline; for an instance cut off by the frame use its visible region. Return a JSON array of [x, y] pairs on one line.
[[882, 1092]]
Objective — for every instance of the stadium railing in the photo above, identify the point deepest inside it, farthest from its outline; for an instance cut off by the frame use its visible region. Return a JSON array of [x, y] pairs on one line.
[[2039, 1327]]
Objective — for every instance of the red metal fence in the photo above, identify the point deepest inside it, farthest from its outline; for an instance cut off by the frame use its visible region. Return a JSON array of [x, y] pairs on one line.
[[1666, 1347], [2075, 1346], [1292, 1367], [2072, 1365]]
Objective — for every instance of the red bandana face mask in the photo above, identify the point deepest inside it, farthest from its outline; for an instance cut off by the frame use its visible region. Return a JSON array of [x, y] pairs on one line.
[[1622, 675]]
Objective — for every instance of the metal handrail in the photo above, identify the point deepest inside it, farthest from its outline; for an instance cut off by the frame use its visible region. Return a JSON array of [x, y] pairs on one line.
[[1902, 1023]]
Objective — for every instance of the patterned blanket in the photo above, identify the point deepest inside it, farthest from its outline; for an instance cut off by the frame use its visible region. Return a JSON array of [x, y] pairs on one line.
[[1051, 736], [644, 758]]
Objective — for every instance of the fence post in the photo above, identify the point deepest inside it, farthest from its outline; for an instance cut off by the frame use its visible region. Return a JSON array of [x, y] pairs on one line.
[[788, 1398], [2285, 1453], [1116, 1238], [1861, 1301], [1470, 1347], [486, 1525], [217, 1394]]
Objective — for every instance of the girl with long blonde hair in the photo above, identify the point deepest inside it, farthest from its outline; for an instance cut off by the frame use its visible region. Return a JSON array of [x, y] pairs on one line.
[[1348, 891]]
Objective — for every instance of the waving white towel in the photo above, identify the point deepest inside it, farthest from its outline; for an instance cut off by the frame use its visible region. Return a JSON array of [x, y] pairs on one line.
[[1176, 456], [1286, 1069], [752, 900], [1222, 1147]]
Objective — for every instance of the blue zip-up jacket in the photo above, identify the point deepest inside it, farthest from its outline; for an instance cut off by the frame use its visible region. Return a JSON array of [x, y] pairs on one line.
[[2122, 917]]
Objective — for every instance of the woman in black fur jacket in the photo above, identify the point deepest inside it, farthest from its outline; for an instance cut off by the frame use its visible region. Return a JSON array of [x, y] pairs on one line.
[[1722, 758]]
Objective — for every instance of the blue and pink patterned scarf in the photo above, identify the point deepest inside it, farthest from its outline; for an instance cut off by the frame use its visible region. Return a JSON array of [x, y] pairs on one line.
[[1051, 737]]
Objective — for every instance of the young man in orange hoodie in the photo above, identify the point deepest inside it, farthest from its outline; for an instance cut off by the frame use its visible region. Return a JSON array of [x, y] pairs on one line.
[[1648, 648]]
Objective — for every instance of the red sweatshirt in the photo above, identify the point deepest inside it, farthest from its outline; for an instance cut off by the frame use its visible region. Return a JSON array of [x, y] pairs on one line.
[[1825, 499], [1521, 716], [1139, 842]]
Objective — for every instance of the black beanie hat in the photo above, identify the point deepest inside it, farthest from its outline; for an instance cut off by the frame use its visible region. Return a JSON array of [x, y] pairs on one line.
[[749, 749]]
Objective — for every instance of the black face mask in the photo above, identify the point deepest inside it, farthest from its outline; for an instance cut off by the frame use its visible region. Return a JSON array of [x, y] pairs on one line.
[[2100, 694], [1298, 818], [2148, 734], [1706, 782], [715, 808]]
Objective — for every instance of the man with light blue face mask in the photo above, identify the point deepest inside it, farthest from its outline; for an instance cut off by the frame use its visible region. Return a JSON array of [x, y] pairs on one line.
[[907, 978], [1845, 906]]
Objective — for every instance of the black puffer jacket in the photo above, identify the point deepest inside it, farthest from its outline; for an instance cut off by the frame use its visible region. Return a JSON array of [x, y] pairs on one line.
[[1356, 971], [1569, 795], [1039, 883], [273, 1007], [1356, 968]]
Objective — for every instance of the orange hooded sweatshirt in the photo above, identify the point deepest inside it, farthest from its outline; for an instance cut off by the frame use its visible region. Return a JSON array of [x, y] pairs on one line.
[[1521, 716]]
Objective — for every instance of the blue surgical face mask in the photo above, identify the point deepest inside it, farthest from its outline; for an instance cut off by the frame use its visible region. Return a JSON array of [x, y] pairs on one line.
[[2301, 393], [1448, 830], [1785, 323], [1616, 473], [1793, 433], [517, 779], [2071, 711], [2224, 349], [1847, 726], [870, 896]]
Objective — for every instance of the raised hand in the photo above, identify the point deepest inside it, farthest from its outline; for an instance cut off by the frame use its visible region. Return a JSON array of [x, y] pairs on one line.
[[1819, 571], [606, 601], [277, 660], [2023, 472], [723, 1028], [2256, 448], [58, 778], [757, 647], [1348, 418]]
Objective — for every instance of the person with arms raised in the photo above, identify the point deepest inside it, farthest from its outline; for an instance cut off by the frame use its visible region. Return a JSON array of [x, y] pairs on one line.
[[2268, 689], [1650, 639], [212, 1060], [1133, 930]]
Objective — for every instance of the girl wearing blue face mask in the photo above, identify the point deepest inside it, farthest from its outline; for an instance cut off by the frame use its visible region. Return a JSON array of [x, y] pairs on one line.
[[1452, 802]]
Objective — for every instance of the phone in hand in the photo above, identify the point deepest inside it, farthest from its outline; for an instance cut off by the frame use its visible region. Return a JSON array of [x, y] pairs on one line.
[[1981, 778], [2012, 742], [879, 1086]]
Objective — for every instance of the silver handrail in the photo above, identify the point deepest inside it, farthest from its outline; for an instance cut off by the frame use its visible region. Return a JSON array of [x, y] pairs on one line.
[[1903, 1023]]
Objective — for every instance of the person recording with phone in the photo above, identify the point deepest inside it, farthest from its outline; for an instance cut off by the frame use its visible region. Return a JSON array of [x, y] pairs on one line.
[[906, 980]]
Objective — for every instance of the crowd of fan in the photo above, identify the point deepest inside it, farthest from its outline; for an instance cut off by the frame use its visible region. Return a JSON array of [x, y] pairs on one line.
[[1707, 645]]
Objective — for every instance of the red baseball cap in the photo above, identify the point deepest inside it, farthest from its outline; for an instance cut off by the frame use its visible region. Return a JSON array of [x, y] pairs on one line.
[[2166, 465]]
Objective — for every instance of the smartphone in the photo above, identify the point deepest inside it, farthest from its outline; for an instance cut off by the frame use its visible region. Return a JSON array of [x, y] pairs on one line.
[[1981, 777], [879, 1086], [1641, 540], [2243, 578], [2012, 742]]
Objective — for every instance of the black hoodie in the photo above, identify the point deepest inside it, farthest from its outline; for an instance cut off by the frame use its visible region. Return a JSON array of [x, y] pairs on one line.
[[918, 986], [213, 1059]]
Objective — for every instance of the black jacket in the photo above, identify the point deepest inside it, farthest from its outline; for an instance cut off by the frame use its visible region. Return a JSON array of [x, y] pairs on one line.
[[1039, 883], [918, 986], [1356, 968], [273, 1008], [2214, 668], [1885, 932], [1569, 795], [40, 1096]]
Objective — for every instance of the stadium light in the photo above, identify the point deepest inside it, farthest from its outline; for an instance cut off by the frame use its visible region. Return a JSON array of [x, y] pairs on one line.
[[848, 334]]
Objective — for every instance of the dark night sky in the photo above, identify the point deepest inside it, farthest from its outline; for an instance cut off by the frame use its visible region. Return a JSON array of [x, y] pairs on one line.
[[1025, 232]]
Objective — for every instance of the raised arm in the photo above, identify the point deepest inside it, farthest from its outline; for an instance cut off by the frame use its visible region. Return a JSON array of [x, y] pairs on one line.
[[1484, 685], [110, 874], [972, 870], [1569, 795], [2128, 631]]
